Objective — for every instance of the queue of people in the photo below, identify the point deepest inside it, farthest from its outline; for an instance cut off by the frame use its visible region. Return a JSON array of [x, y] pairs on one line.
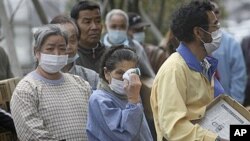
[[85, 87]]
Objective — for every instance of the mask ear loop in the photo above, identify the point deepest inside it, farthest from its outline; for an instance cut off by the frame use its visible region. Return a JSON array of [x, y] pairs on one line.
[[206, 31], [201, 40]]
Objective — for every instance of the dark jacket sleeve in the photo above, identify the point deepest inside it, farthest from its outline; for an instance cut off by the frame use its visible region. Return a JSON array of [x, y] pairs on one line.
[[6, 121]]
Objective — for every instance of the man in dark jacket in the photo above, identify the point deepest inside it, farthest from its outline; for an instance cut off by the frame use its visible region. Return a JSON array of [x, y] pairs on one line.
[[87, 16]]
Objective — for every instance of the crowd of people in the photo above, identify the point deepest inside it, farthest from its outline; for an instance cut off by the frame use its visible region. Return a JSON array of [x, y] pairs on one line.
[[82, 87]]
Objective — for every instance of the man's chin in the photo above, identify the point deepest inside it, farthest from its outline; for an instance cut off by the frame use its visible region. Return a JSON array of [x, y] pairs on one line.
[[94, 40]]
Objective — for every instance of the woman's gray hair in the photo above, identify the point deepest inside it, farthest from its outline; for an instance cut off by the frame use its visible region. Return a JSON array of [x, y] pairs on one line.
[[44, 32], [116, 12]]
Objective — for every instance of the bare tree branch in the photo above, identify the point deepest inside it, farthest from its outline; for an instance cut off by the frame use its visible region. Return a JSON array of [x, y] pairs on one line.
[[40, 11], [9, 37], [153, 28], [104, 7], [15, 10], [133, 6], [112, 4], [161, 12]]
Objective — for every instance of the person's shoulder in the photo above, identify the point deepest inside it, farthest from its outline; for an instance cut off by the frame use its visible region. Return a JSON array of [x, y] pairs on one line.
[[27, 83], [136, 43], [174, 61], [100, 96], [70, 76], [75, 79], [98, 93], [228, 36], [229, 42], [89, 72]]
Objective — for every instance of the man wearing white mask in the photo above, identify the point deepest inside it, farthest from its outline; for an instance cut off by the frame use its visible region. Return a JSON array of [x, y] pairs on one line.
[[185, 83], [117, 26], [73, 35], [47, 104], [137, 27]]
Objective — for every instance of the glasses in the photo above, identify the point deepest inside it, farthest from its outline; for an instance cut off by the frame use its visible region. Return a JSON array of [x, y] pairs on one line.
[[216, 26]]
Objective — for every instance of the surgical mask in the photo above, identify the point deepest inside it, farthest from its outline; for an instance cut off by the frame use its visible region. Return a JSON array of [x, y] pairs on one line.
[[52, 63], [72, 59], [117, 86], [139, 36], [215, 44], [117, 36]]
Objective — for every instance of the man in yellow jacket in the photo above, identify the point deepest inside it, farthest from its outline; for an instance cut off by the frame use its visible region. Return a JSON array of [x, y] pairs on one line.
[[185, 83]]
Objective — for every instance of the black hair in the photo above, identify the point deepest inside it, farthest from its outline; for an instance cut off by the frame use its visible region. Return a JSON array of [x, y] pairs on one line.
[[114, 55], [189, 16], [62, 19], [83, 5]]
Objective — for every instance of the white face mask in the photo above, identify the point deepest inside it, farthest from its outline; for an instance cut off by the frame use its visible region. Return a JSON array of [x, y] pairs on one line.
[[52, 63], [117, 36], [72, 59], [117, 86], [139, 36], [215, 44]]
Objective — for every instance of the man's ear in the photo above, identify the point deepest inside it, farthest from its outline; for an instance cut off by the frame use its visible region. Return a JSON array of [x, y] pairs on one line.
[[197, 32], [105, 71]]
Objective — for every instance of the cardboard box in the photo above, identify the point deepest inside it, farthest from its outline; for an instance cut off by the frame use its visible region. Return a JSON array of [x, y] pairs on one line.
[[222, 112]]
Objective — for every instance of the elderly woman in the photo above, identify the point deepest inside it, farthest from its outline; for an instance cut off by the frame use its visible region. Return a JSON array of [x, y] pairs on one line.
[[47, 104], [115, 110]]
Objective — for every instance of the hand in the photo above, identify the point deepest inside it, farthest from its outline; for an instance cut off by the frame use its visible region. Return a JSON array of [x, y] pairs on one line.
[[132, 88]]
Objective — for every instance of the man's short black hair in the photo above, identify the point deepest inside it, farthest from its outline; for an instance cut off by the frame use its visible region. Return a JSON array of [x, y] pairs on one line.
[[83, 5], [189, 16]]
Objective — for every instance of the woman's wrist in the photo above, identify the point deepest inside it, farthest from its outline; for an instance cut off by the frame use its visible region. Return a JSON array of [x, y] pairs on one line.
[[134, 100]]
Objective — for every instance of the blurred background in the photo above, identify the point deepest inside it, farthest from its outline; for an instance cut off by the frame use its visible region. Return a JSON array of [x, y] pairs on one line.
[[19, 17]]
